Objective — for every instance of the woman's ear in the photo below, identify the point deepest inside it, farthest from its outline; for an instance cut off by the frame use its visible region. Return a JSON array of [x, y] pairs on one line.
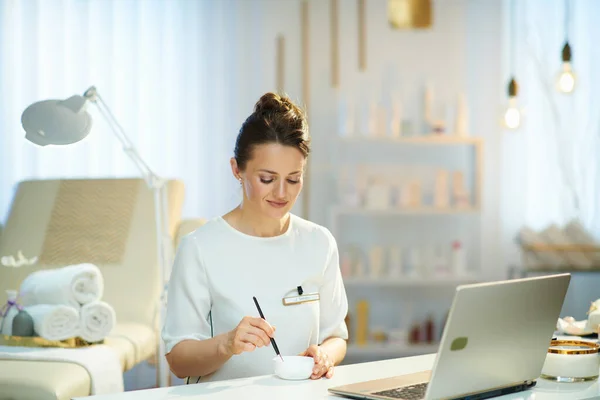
[[235, 170]]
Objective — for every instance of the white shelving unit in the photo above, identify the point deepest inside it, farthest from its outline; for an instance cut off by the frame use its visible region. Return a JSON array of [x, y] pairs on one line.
[[436, 140], [358, 286], [337, 212]]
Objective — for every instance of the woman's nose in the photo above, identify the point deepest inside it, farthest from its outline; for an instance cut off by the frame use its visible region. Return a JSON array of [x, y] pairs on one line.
[[280, 190]]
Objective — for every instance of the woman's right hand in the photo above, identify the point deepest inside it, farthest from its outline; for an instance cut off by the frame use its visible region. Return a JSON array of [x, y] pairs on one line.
[[250, 333]]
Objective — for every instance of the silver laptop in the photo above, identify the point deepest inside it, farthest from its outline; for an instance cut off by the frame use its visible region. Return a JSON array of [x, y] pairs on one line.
[[495, 342]]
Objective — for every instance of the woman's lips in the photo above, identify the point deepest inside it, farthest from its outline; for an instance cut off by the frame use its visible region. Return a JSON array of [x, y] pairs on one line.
[[277, 204]]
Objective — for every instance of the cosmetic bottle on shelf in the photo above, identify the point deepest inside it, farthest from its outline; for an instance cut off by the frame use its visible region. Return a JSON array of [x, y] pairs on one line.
[[429, 329], [376, 262], [415, 334], [396, 119], [462, 117], [458, 260], [362, 322]]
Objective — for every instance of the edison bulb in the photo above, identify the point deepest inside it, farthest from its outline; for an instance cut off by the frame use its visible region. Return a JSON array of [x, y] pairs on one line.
[[512, 115], [566, 79]]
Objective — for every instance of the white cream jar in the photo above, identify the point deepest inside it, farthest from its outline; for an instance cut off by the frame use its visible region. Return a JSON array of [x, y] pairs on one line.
[[572, 361]]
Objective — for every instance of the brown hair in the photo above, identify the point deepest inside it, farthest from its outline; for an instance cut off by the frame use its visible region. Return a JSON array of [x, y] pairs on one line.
[[275, 120]]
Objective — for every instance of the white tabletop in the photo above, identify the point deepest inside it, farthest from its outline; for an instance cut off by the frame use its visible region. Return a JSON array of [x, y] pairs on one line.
[[271, 387]]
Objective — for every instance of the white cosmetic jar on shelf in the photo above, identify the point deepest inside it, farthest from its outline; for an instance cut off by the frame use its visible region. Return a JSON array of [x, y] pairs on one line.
[[572, 361]]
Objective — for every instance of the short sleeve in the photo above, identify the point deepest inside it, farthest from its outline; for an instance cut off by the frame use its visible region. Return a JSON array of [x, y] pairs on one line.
[[188, 301], [333, 300]]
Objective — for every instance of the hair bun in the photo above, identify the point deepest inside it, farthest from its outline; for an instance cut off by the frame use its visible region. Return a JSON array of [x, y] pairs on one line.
[[274, 103], [275, 119]]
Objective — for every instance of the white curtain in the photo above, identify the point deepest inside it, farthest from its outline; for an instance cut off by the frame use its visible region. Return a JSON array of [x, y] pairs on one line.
[[552, 164], [179, 75]]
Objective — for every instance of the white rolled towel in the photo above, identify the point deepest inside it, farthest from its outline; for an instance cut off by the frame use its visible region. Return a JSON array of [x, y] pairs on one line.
[[73, 285], [54, 321], [97, 320]]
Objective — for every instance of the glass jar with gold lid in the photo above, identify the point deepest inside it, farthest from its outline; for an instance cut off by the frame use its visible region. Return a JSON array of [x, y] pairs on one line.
[[572, 361]]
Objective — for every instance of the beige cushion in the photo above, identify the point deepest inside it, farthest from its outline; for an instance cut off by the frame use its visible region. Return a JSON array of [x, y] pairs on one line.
[[26, 380], [109, 222], [135, 343]]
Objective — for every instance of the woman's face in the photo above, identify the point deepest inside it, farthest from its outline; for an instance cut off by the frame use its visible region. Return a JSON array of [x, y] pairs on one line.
[[272, 179]]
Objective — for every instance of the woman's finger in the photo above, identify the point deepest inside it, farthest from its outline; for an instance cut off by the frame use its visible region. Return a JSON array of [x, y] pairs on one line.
[[254, 340], [263, 325], [260, 333], [329, 373], [319, 370], [310, 351]]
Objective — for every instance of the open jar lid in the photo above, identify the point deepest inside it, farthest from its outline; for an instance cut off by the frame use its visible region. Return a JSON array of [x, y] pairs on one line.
[[573, 347]]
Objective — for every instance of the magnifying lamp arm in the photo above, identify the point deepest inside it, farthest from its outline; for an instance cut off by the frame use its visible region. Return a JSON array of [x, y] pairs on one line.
[[164, 241], [152, 180]]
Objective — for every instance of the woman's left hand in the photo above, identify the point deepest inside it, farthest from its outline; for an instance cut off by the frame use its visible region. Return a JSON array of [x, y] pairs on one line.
[[323, 364]]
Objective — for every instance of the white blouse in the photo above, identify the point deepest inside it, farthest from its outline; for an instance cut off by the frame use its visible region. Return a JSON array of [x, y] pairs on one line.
[[218, 270]]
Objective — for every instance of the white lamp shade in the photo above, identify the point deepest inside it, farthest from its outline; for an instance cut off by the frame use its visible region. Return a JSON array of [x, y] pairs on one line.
[[57, 122]]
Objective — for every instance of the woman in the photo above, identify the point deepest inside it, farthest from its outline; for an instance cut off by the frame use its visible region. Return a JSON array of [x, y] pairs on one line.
[[213, 330]]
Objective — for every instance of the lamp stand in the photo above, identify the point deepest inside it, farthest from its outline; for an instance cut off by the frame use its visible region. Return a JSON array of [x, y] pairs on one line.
[[164, 243]]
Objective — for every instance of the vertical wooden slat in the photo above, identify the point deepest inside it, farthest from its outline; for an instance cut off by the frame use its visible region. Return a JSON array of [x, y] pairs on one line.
[[362, 40], [280, 64], [335, 50], [304, 28]]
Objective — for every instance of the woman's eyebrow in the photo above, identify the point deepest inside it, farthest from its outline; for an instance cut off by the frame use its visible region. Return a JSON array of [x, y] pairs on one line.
[[275, 173], [268, 171]]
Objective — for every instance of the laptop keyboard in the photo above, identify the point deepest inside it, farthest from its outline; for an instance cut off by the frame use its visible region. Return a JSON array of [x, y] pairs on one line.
[[413, 392]]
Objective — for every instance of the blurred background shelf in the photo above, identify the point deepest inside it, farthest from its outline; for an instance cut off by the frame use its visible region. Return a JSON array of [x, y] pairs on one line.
[[407, 221], [337, 211], [382, 351], [408, 282]]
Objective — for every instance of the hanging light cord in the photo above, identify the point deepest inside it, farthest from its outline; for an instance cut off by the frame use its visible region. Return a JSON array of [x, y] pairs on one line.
[[567, 19], [512, 85], [512, 38], [566, 51]]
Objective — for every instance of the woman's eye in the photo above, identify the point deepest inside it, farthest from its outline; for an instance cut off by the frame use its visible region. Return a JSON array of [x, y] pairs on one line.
[[293, 182], [266, 180]]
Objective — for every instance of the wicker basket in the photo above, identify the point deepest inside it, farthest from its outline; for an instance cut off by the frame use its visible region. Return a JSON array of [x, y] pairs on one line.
[[534, 256], [36, 341]]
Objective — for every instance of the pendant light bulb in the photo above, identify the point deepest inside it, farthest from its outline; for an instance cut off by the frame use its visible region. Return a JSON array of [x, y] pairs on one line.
[[565, 82], [512, 114]]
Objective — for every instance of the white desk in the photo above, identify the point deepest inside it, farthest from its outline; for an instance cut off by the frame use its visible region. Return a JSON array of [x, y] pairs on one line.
[[270, 387]]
